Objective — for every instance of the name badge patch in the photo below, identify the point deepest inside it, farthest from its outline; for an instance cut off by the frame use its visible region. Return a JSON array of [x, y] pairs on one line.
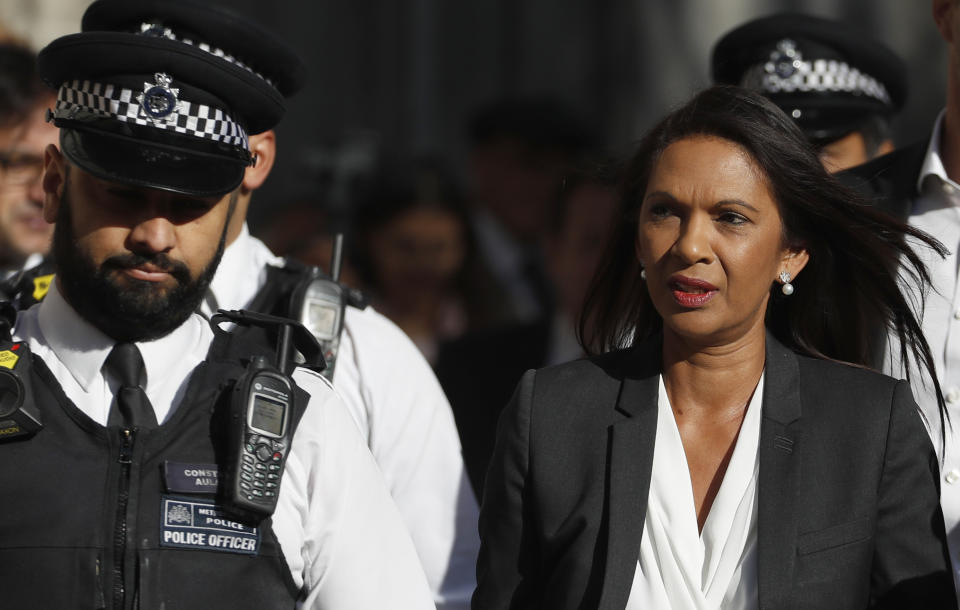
[[190, 478], [193, 524]]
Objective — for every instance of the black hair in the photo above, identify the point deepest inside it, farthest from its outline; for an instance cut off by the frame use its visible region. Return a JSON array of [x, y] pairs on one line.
[[398, 187], [850, 292], [541, 125], [20, 85], [599, 172]]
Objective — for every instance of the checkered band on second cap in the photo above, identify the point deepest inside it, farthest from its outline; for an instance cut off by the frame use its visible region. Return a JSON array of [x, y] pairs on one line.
[[111, 101], [820, 75], [153, 29]]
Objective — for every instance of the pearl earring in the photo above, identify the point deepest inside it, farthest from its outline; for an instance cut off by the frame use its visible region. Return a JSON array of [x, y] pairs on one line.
[[643, 273], [787, 287]]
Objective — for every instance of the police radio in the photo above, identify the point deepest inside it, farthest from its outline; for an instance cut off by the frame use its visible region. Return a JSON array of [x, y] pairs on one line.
[[319, 304], [260, 412], [260, 421]]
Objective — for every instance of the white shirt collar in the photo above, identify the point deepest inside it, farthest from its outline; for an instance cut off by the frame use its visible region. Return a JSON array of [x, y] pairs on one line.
[[240, 274], [933, 162], [83, 348]]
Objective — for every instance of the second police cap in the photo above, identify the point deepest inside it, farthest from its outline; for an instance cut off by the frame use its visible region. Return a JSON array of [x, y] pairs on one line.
[[821, 72], [164, 94]]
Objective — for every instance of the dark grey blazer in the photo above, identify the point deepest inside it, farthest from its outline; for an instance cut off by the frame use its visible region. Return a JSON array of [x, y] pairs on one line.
[[848, 488]]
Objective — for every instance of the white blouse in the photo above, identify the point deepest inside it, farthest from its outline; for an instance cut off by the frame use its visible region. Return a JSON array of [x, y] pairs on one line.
[[678, 567]]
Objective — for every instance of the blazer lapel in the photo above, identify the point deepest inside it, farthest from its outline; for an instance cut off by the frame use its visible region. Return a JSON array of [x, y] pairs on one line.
[[779, 476], [631, 441]]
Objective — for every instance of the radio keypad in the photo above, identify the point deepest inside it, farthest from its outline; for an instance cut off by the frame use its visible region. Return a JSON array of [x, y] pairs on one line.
[[261, 461]]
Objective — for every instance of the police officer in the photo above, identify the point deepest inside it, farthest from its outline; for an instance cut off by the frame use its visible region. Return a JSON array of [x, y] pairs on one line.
[[841, 87], [920, 185], [389, 389], [117, 501]]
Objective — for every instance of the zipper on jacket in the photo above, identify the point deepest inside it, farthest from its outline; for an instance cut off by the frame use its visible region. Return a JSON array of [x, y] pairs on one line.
[[120, 531]]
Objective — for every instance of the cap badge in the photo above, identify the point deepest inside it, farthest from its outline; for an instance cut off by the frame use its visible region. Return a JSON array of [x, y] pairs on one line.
[[159, 101], [785, 60], [157, 31]]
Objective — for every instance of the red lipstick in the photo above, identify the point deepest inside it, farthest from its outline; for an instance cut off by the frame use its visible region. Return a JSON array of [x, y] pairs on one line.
[[691, 292]]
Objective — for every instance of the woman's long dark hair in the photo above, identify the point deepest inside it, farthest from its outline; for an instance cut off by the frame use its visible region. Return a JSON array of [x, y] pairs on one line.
[[851, 292]]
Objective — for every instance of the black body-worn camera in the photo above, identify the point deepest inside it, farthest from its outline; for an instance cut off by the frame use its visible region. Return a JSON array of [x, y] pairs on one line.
[[19, 416]]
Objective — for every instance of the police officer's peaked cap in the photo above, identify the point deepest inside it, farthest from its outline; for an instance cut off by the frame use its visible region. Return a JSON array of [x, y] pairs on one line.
[[163, 94], [821, 72]]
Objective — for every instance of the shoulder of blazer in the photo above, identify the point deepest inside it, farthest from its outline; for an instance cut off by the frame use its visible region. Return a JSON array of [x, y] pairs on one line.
[[582, 389], [833, 392], [637, 361], [890, 181]]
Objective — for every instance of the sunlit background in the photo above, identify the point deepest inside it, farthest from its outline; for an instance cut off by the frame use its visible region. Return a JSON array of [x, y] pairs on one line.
[[402, 76]]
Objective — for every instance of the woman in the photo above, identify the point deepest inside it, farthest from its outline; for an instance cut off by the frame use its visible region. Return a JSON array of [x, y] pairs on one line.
[[727, 458], [414, 252]]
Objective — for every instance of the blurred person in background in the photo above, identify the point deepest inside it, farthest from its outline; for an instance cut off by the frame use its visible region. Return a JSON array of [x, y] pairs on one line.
[[303, 230], [579, 224], [24, 134], [841, 87], [519, 150], [414, 251], [920, 185], [8, 36]]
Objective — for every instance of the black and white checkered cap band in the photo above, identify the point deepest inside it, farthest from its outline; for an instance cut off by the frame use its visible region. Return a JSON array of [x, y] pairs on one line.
[[819, 75], [153, 29], [112, 101]]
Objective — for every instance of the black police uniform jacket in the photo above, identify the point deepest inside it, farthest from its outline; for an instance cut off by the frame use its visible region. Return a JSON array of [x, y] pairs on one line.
[[889, 182], [848, 513], [86, 511]]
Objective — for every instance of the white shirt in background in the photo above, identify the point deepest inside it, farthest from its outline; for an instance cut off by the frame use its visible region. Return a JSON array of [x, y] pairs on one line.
[[937, 212], [404, 417]]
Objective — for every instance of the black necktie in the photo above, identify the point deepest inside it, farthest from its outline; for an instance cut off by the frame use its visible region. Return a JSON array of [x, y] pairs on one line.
[[133, 407]]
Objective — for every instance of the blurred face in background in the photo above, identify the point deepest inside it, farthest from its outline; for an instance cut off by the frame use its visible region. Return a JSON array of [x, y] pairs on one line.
[[575, 248], [516, 184], [23, 231], [417, 254]]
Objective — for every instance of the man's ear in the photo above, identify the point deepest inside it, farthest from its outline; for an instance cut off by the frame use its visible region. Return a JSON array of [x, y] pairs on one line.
[[54, 182], [264, 146], [943, 16]]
